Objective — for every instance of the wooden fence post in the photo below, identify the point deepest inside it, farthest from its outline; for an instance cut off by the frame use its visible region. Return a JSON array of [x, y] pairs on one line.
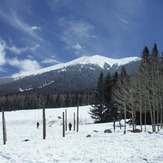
[[77, 119], [114, 123], [74, 122], [44, 123], [66, 119], [63, 124], [4, 127]]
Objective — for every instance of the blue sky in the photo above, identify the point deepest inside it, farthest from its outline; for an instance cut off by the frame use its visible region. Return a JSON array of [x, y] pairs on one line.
[[38, 33]]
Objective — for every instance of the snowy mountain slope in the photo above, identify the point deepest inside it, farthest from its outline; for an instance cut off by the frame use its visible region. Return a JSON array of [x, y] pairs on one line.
[[74, 76], [97, 60], [5, 80]]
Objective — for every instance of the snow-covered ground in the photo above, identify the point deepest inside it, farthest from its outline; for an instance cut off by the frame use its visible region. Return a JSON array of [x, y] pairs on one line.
[[75, 147]]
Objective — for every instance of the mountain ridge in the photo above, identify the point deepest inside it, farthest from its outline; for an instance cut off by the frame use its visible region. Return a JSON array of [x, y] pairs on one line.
[[75, 76], [98, 60]]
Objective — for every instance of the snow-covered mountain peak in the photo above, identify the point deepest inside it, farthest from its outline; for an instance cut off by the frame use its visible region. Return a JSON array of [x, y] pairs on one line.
[[97, 60], [102, 60]]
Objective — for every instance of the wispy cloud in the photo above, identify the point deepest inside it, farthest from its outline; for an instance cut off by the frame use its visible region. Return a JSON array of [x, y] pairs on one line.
[[34, 47], [11, 18], [76, 33], [124, 21], [58, 4], [50, 60], [17, 50]]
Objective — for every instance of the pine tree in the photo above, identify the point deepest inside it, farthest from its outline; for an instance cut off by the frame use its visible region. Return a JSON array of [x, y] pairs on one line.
[[115, 80], [108, 89], [110, 113], [108, 116], [97, 112]]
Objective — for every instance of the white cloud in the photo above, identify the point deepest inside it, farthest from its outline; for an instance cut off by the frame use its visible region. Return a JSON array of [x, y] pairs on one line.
[[76, 33], [34, 47], [2, 53], [26, 66], [17, 50], [30, 57], [77, 46], [51, 60], [35, 28]]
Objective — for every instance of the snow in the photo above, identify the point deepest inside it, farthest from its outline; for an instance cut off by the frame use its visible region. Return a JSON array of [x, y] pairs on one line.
[[75, 147], [46, 84], [95, 60], [21, 90]]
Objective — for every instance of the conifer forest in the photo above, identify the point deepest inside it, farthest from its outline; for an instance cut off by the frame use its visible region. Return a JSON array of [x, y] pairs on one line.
[[140, 100]]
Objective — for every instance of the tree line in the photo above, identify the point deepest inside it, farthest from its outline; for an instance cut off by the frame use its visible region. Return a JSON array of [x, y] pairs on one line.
[[141, 100], [34, 100]]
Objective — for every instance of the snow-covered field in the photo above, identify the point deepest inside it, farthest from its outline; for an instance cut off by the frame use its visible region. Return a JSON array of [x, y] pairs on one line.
[[75, 147]]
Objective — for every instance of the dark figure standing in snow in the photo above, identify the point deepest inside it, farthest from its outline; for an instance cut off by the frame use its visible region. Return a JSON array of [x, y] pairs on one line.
[[37, 124], [70, 126]]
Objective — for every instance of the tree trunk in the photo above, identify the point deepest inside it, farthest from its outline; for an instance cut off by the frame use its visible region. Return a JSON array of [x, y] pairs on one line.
[[77, 119], [141, 128], [4, 128], [153, 102], [161, 107], [153, 130], [151, 113], [133, 121], [132, 111], [145, 119], [154, 119], [44, 124], [74, 122], [124, 119], [63, 125], [161, 116], [158, 124], [140, 107]]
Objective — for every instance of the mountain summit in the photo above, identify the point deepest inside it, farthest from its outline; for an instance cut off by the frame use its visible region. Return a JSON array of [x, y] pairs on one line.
[[78, 75], [97, 60]]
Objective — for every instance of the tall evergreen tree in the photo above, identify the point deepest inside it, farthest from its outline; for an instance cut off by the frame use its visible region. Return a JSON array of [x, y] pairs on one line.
[[97, 112], [108, 89], [111, 110], [115, 80]]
